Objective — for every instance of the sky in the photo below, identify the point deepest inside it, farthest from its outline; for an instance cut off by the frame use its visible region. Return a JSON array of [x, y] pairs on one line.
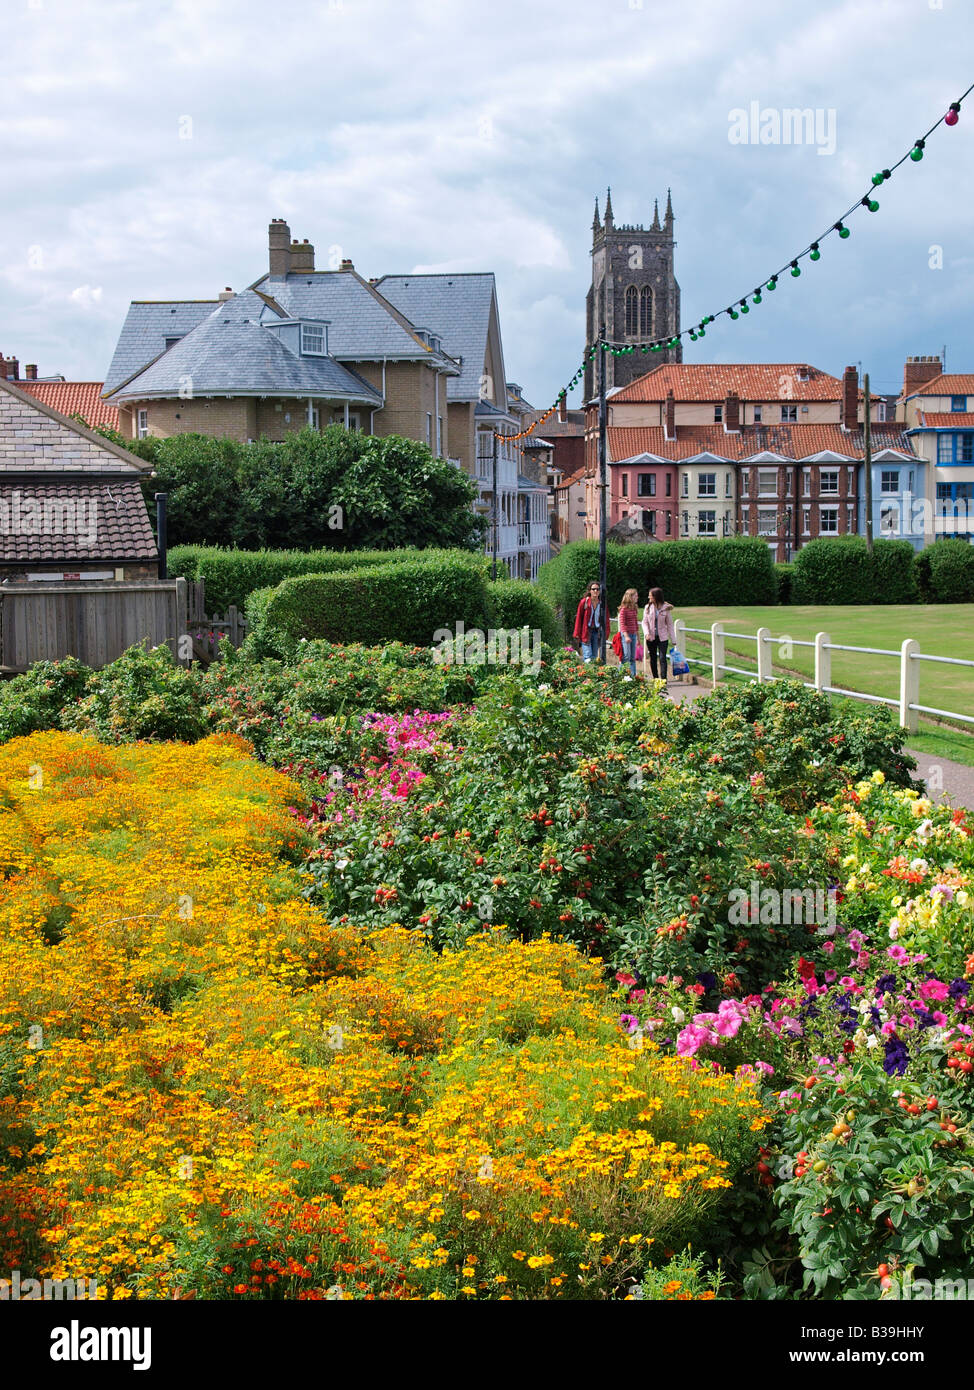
[[148, 143]]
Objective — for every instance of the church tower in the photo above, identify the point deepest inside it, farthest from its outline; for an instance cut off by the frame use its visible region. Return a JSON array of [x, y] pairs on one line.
[[633, 291]]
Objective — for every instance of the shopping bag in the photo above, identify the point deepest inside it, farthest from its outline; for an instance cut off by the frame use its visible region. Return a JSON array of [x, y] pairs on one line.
[[679, 662]]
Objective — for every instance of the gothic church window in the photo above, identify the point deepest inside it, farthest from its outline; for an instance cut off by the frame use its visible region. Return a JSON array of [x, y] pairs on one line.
[[632, 312], [645, 311]]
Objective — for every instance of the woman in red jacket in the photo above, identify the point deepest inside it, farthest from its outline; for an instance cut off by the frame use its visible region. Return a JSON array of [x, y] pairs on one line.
[[588, 622]]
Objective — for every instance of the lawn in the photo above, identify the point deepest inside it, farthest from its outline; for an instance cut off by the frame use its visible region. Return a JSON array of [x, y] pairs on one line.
[[940, 629]]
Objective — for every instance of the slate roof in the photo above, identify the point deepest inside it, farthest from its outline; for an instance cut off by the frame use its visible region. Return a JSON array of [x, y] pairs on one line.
[[457, 307], [362, 324], [74, 397], [48, 459], [147, 325], [232, 353], [793, 442], [711, 381]]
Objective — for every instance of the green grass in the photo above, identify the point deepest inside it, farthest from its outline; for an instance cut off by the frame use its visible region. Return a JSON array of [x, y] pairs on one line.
[[940, 629]]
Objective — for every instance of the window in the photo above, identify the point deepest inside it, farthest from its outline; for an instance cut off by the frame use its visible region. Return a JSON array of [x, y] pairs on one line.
[[645, 311], [625, 484], [955, 448], [757, 414], [707, 524], [829, 482], [806, 521], [718, 414], [171, 342], [429, 429], [669, 523], [142, 424], [669, 485], [649, 522], [684, 524], [439, 434], [806, 482], [685, 485], [728, 485], [889, 480], [313, 339], [646, 484], [767, 482], [850, 518], [789, 414], [828, 521], [746, 520], [745, 482], [888, 519], [767, 521], [315, 418], [958, 403], [632, 312], [707, 485]]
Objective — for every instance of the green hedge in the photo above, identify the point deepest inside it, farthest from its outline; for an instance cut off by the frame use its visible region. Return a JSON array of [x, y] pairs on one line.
[[839, 569], [784, 576], [515, 603], [945, 572], [232, 575], [690, 572], [402, 602]]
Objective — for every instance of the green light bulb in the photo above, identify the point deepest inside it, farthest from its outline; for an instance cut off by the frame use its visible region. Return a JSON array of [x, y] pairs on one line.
[[757, 298], [815, 254], [916, 154]]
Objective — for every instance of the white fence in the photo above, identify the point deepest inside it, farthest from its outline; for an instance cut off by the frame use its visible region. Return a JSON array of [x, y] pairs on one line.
[[909, 657]]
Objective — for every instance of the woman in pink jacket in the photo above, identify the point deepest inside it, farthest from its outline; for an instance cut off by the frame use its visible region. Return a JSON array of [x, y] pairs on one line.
[[658, 632]]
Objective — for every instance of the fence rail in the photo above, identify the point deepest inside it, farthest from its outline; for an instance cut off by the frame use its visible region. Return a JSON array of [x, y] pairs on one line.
[[909, 657]]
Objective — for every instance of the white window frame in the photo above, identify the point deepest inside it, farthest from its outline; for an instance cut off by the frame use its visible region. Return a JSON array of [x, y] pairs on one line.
[[142, 424], [832, 513], [757, 414], [763, 514], [824, 491], [318, 331], [746, 520], [711, 479], [892, 473], [806, 521], [684, 484], [789, 414], [429, 429], [707, 523], [728, 485], [763, 475]]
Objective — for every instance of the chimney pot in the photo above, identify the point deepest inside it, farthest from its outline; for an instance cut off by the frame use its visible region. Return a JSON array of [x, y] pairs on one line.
[[918, 371], [302, 257]]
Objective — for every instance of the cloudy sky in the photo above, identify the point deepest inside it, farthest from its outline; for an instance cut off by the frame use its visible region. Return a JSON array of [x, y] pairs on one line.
[[147, 143]]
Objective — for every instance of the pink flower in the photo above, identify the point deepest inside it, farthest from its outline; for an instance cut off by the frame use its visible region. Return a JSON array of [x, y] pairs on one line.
[[828, 947], [933, 989], [898, 954]]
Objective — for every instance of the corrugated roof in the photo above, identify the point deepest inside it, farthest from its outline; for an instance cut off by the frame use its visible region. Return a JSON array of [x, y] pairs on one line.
[[790, 441], [711, 381], [457, 307], [232, 352], [74, 397], [147, 326]]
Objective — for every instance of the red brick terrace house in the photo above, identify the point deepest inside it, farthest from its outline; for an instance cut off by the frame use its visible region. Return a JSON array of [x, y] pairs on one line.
[[767, 450]]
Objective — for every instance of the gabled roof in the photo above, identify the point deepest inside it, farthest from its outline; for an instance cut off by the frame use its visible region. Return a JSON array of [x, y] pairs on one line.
[[790, 442], [36, 439], [74, 398], [457, 307], [362, 324], [232, 352], [947, 384], [711, 381], [147, 325], [53, 473]]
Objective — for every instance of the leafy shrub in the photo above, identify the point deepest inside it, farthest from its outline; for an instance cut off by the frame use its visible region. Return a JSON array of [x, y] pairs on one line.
[[515, 603], [142, 695], [690, 572], [945, 572], [791, 739], [839, 569], [784, 574], [403, 602], [35, 700]]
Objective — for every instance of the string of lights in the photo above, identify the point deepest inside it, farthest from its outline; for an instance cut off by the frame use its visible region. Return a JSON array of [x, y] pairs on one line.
[[767, 285]]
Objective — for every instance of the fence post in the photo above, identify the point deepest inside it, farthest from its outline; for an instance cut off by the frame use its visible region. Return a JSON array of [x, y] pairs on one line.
[[823, 661], [717, 649], [764, 656], [909, 685], [182, 622], [234, 632]]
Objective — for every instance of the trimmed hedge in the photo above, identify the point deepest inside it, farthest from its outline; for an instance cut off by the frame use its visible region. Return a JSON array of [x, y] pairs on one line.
[[232, 575], [945, 572], [403, 602], [784, 575], [516, 603], [690, 572], [839, 569]]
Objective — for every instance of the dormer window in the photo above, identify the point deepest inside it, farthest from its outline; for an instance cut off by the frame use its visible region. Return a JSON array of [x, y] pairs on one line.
[[313, 340]]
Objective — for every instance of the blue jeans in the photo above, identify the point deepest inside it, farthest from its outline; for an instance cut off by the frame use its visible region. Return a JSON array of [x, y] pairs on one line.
[[591, 648], [629, 649]]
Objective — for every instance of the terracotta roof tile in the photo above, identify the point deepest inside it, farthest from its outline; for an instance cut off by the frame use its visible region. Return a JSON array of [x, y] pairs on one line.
[[936, 420], [791, 441], [711, 381], [948, 384], [74, 398]]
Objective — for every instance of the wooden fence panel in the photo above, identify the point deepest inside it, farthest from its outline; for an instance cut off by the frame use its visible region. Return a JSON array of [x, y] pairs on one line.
[[93, 622]]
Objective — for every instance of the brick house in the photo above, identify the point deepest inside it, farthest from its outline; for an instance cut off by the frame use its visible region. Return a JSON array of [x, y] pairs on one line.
[[71, 504], [66, 397], [937, 411], [770, 450]]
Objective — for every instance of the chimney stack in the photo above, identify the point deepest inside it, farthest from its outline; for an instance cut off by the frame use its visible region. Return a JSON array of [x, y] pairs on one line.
[[347, 264], [302, 257], [30, 371], [563, 409], [279, 247], [732, 413], [10, 368], [918, 371], [849, 411], [224, 295], [669, 432]]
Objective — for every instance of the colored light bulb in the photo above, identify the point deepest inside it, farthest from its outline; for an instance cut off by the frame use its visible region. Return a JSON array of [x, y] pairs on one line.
[[814, 254], [953, 115], [795, 268], [916, 154], [757, 297], [842, 230], [773, 283]]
